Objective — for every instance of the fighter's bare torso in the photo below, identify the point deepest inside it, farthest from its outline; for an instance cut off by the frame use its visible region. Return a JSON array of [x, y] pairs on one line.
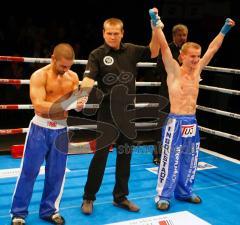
[[183, 91]]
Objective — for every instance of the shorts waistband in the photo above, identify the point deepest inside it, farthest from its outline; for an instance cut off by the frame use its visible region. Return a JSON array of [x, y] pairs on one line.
[[48, 123], [186, 116]]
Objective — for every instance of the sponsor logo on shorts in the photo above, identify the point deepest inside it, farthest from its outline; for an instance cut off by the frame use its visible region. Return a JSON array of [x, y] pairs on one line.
[[201, 166], [188, 130], [176, 163], [166, 149], [108, 60], [51, 124]]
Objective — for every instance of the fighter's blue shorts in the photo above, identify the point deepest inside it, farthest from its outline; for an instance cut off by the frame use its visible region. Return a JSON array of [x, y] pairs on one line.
[[180, 148], [46, 140]]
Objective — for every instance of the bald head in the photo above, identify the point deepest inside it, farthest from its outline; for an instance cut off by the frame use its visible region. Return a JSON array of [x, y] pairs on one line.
[[65, 51]]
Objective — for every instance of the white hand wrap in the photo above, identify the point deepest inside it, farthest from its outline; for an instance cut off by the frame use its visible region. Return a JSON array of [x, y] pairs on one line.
[[82, 100], [74, 100], [159, 23], [70, 103]]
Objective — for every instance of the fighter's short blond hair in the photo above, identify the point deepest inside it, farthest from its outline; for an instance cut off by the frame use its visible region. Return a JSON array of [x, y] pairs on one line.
[[188, 45]]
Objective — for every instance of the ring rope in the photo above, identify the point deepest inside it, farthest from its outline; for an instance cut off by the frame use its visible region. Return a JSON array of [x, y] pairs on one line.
[[218, 89], [80, 127], [13, 131], [87, 106], [204, 129], [15, 107], [14, 81], [84, 62], [221, 69], [137, 124], [137, 105], [219, 112], [18, 81], [220, 133], [138, 84], [35, 60]]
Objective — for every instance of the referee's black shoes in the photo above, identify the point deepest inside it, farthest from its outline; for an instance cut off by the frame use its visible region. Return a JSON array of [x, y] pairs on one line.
[[87, 207], [128, 205]]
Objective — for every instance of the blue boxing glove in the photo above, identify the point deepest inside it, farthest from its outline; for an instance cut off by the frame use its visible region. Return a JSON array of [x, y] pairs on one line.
[[155, 19], [153, 16], [226, 27]]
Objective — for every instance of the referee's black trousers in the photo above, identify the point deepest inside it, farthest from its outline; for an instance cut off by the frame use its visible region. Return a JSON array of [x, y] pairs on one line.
[[99, 160]]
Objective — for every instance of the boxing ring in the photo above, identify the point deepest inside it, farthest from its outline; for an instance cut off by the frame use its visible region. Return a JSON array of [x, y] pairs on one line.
[[217, 180]]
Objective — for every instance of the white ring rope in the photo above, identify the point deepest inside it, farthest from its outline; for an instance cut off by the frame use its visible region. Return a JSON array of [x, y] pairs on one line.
[[94, 127], [148, 84], [80, 127], [220, 133], [84, 62], [87, 106], [222, 70], [219, 112], [204, 129], [218, 89], [138, 84], [137, 105], [35, 60], [18, 81]]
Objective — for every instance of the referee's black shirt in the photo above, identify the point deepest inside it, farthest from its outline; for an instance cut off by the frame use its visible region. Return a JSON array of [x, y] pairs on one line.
[[111, 67]]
